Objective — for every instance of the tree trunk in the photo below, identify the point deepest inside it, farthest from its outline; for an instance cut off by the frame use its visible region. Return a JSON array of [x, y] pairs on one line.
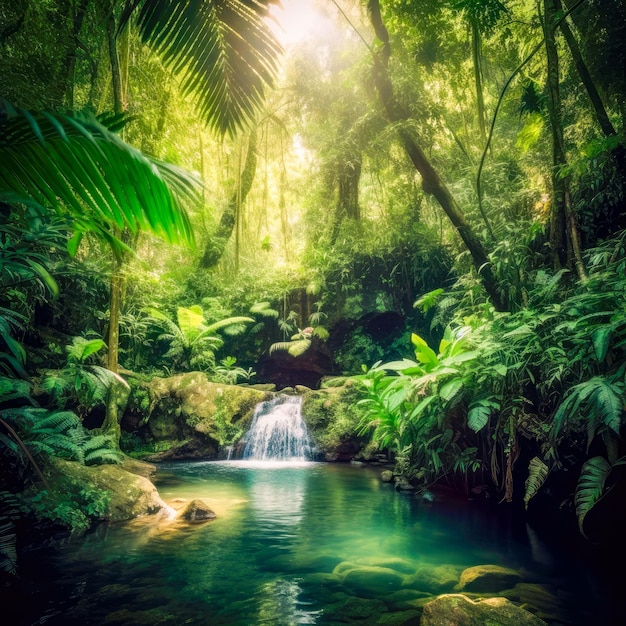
[[583, 71], [111, 425], [564, 236], [480, 101], [348, 178], [217, 244], [431, 181]]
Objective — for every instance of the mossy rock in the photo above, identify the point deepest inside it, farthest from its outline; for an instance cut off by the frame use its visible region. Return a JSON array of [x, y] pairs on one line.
[[332, 419], [204, 415], [488, 578], [459, 609], [129, 495], [435, 580], [368, 581]]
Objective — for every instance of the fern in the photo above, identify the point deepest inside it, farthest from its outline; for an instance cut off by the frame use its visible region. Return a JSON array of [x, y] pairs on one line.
[[537, 474], [590, 487], [8, 552], [602, 400], [101, 449], [14, 389]]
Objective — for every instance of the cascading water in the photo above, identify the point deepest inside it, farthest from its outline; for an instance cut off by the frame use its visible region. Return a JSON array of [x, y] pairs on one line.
[[278, 432]]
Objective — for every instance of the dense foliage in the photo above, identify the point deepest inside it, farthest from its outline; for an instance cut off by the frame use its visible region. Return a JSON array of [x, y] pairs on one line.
[[431, 190]]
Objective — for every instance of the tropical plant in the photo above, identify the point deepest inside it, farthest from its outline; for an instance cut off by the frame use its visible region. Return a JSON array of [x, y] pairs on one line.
[[79, 383], [193, 342], [77, 165], [228, 372], [26, 244], [224, 50], [57, 433], [411, 410]]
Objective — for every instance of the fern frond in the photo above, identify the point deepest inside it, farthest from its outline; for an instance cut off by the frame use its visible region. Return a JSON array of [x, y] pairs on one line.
[[103, 456], [537, 474], [15, 389], [479, 412], [280, 346], [264, 309], [229, 321], [297, 348], [590, 487], [58, 421], [8, 551]]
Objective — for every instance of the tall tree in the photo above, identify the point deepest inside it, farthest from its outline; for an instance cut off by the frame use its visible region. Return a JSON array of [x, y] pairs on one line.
[[216, 245], [585, 76], [564, 234], [432, 183]]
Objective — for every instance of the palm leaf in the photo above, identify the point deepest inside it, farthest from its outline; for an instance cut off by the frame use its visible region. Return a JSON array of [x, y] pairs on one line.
[[223, 49], [537, 475], [264, 309], [225, 323], [590, 486], [75, 164]]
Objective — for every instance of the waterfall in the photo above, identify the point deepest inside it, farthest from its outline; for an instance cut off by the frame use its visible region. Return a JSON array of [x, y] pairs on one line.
[[278, 432]]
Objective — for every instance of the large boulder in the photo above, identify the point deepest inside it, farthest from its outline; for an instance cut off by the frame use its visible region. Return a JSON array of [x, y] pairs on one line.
[[435, 579], [460, 610], [127, 495], [332, 418], [191, 417], [488, 578]]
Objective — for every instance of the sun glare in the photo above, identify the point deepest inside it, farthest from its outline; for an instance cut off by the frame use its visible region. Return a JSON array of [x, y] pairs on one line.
[[295, 20]]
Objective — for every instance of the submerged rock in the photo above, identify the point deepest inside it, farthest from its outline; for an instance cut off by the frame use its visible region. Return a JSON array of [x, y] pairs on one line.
[[438, 579], [404, 566], [488, 578], [197, 511], [371, 581], [460, 610]]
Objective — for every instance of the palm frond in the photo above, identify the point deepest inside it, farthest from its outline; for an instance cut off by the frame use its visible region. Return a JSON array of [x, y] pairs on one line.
[[74, 163], [225, 323], [223, 49], [264, 309]]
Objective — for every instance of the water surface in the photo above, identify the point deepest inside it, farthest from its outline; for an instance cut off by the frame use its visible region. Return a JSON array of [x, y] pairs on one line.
[[268, 558]]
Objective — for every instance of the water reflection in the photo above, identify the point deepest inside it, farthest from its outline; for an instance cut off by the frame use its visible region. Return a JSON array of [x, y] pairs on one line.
[[270, 556], [277, 496]]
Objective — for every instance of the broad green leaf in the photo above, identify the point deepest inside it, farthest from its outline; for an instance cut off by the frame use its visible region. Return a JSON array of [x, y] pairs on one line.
[[74, 243], [590, 486], [501, 369], [423, 353], [601, 338], [451, 389], [88, 347], [189, 320], [399, 366]]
